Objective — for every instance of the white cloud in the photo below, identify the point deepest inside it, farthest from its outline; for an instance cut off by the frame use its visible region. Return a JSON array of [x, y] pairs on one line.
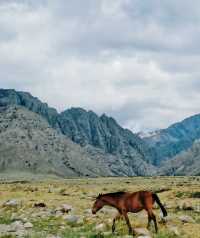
[[135, 60]]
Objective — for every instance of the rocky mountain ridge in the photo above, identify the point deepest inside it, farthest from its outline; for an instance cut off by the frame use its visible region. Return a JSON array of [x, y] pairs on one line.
[[179, 137], [118, 148], [29, 143], [115, 151]]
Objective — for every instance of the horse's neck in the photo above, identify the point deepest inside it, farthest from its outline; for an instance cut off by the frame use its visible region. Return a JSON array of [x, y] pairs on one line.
[[110, 201]]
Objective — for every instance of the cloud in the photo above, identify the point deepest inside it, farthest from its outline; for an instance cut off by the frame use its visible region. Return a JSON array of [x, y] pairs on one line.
[[138, 61]]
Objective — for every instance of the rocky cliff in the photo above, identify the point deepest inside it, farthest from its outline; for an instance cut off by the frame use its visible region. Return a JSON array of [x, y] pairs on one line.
[[119, 150]]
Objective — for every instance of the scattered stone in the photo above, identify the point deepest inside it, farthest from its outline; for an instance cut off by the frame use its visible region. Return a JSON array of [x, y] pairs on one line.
[[12, 203], [186, 219], [28, 225], [71, 218]]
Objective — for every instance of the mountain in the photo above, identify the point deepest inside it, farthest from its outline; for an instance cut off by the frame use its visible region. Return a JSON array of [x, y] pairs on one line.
[[185, 163], [179, 137], [119, 150], [12, 97], [85, 127], [29, 143]]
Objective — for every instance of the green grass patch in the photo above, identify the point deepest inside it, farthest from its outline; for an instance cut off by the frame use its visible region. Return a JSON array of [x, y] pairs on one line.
[[5, 219]]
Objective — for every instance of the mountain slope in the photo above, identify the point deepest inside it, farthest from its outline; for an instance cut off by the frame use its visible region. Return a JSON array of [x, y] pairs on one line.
[[28, 143], [98, 135], [12, 97], [178, 137], [85, 127], [185, 163]]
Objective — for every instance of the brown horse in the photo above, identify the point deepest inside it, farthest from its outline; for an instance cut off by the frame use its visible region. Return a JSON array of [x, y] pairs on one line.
[[126, 202]]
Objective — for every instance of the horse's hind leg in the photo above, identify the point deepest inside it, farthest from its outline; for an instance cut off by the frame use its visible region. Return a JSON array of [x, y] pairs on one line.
[[118, 216]]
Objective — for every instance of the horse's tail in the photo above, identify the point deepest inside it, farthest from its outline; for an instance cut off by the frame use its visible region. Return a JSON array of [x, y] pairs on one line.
[[156, 198]]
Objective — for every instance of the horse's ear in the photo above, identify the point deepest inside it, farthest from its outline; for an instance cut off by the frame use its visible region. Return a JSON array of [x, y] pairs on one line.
[[99, 195]]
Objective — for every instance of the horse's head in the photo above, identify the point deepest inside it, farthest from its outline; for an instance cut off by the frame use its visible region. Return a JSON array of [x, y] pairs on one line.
[[98, 204]]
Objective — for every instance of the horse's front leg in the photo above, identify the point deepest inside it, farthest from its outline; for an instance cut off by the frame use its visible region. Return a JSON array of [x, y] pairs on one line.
[[149, 222], [128, 223], [117, 217], [151, 216]]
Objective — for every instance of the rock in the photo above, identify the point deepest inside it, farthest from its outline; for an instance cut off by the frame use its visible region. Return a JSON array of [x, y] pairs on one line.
[[142, 231], [16, 226], [64, 208], [100, 227], [12, 203], [71, 218], [187, 206], [186, 219], [28, 225]]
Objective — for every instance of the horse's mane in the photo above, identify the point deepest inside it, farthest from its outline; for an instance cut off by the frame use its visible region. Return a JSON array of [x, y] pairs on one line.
[[115, 194]]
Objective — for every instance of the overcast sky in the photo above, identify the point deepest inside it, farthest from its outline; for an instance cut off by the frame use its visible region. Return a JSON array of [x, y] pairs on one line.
[[135, 60]]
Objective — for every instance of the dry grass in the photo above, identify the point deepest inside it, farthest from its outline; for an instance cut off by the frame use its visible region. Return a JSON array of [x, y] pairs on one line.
[[80, 192]]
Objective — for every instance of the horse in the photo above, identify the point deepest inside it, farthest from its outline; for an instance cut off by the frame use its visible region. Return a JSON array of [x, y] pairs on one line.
[[126, 202]]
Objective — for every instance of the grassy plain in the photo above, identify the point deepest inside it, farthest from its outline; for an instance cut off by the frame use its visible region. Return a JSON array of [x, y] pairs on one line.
[[181, 196]]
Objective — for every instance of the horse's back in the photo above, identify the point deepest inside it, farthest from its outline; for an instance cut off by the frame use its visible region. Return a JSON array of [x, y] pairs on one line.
[[138, 201]]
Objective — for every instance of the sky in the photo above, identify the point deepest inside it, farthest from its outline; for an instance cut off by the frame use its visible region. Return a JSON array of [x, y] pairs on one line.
[[137, 61]]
